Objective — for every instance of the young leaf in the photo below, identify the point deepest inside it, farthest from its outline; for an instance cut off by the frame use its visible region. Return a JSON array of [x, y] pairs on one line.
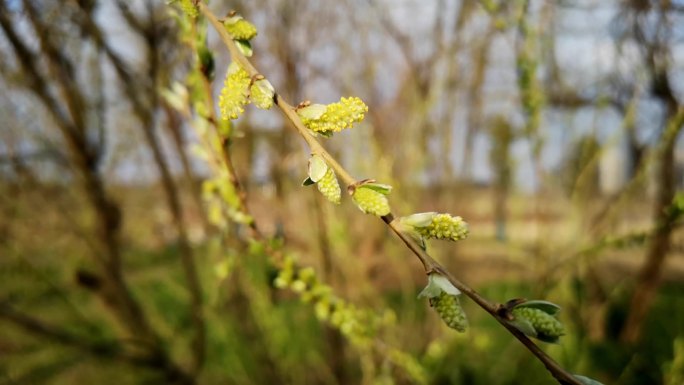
[[586, 380], [437, 284], [317, 168], [245, 47], [379, 187], [313, 111], [418, 219], [545, 306]]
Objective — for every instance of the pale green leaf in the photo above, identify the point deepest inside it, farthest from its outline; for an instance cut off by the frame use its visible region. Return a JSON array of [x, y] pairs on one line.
[[545, 306], [313, 111], [244, 46], [317, 168], [418, 219]]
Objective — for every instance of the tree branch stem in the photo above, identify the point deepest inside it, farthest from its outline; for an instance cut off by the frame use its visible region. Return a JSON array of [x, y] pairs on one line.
[[430, 265]]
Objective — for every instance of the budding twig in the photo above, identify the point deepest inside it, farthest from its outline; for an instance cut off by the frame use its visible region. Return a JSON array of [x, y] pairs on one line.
[[430, 265]]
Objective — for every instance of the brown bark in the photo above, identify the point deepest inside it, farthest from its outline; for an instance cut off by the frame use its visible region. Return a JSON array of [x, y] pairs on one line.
[[657, 59], [649, 277]]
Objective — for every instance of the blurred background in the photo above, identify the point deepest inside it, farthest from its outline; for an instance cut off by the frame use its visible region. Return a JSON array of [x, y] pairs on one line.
[[551, 127]]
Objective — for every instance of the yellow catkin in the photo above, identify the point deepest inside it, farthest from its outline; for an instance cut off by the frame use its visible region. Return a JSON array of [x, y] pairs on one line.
[[235, 92], [329, 187], [371, 201], [444, 226], [337, 116]]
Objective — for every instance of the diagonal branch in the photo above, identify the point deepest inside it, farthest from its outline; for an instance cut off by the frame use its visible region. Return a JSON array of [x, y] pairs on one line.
[[430, 265]]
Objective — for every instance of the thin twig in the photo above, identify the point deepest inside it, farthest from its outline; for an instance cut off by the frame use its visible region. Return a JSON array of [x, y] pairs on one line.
[[430, 265]]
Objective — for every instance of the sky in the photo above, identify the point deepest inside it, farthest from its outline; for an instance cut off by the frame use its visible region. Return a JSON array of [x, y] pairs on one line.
[[585, 51]]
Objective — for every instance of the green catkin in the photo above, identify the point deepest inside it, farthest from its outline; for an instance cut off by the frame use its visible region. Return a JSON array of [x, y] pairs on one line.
[[371, 201], [329, 187], [450, 311], [546, 325], [444, 226]]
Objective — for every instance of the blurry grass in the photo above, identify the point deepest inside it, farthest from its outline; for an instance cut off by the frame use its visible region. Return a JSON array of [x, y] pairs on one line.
[[257, 334], [485, 355]]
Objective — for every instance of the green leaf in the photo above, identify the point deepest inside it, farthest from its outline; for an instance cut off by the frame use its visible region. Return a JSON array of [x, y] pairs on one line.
[[545, 306], [317, 168], [379, 187], [444, 284], [244, 46], [418, 219], [524, 326], [313, 111], [437, 284], [308, 182], [547, 338], [586, 380], [232, 19], [206, 60]]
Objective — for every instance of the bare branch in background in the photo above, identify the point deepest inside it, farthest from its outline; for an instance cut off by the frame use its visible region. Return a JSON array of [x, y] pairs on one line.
[[114, 291], [142, 93]]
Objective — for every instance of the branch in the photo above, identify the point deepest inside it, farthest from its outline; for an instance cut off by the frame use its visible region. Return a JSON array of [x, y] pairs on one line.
[[115, 292], [430, 265], [117, 295]]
